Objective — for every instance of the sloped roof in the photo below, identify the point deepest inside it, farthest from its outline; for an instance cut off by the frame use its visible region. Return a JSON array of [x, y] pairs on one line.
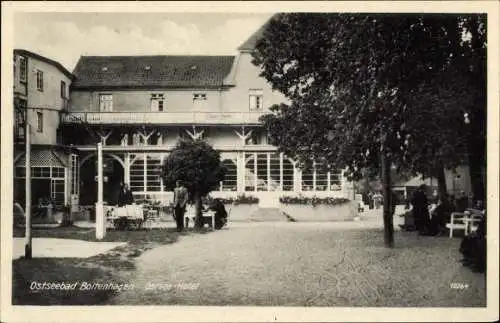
[[43, 158], [24, 52], [250, 43], [151, 71]]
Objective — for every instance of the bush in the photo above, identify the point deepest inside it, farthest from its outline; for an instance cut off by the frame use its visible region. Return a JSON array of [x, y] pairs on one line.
[[313, 200], [240, 199]]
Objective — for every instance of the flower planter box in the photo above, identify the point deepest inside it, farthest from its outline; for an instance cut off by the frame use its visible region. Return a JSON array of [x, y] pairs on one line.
[[321, 212], [241, 212]]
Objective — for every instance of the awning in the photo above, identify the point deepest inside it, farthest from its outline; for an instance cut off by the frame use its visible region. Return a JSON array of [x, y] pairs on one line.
[[42, 158]]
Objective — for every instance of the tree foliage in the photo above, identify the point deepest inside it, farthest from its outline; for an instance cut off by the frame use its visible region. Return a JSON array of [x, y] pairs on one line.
[[364, 83], [197, 165]]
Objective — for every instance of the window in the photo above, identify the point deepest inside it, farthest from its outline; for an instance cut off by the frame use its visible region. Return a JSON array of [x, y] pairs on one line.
[[255, 99], [23, 67], [230, 178], [39, 121], [58, 172], [157, 102], [199, 100], [199, 96], [40, 172], [20, 116], [106, 102], [153, 173], [137, 176], [255, 138], [63, 90], [39, 80]]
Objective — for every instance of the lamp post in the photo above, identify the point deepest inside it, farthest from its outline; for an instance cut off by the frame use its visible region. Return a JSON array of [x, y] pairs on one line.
[[100, 226], [27, 135]]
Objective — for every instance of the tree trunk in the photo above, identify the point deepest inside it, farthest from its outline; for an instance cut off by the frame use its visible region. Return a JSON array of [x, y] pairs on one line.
[[386, 184], [442, 190], [197, 209], [476, 169]]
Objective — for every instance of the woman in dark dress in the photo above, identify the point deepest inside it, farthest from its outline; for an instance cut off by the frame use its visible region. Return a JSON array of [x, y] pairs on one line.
[[220, 214], [420, 209], [125, 196]]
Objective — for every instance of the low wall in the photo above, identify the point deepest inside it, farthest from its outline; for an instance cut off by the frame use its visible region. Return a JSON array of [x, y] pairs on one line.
[[241, 212], [320, 213]]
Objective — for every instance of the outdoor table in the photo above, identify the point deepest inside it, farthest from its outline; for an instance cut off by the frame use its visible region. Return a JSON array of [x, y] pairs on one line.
[[192, 215]]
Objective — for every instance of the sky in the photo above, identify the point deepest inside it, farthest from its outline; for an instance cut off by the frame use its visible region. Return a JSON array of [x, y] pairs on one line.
[[65, 37]]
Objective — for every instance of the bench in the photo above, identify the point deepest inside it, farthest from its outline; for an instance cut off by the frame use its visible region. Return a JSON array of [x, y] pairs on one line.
[[458, 221], [464, 221]]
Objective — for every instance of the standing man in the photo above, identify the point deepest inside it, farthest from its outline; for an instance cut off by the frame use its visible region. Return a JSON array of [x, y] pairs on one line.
[[180, 200], [125, 196]]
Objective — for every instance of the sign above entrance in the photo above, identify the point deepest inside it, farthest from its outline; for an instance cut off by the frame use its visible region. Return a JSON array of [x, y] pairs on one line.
[[165, 117]]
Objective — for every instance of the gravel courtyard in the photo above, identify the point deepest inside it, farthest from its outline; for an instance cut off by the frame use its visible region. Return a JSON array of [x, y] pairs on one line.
[[303, 264]]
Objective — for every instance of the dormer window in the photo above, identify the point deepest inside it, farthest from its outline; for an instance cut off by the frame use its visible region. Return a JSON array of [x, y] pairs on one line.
[[199, 96], [104, 68], [199, 100], [147, 68], [157, 102], [255, 99]]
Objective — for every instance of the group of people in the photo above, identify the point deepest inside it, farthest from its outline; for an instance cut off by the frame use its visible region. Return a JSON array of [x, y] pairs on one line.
[[431, 217], [432, 221], [180, 201], [373, 199], [181, 198]]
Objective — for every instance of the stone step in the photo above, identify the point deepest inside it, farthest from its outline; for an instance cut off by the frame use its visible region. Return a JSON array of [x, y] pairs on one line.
[[268, 214]]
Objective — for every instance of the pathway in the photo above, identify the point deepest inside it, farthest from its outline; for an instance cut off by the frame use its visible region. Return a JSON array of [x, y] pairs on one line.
[[62, 248], [304, 264]]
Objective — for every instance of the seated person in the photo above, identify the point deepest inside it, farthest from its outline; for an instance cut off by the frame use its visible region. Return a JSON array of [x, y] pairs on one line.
[[440, 216], [473, 248], [477, 209], [220, 214]]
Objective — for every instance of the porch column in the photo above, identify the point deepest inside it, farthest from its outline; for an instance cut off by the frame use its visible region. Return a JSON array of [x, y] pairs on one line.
[[100, 225], [347, 187], [255, 178], [144, 169], [126, 170], [314, 177], [162, 185], [268, 155], [281, 171], [66, 186], [240, 171], [297, 179]]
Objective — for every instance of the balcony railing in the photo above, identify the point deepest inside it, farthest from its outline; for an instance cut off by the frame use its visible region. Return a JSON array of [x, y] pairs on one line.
[[163, 117]]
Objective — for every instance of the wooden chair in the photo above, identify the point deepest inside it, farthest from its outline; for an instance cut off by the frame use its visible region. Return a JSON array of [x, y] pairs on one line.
[[228, 211], [474, 221], [458, 221]]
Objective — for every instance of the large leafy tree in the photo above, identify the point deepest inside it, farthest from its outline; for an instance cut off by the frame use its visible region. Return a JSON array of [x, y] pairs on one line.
[[198, 166], [366, 88]]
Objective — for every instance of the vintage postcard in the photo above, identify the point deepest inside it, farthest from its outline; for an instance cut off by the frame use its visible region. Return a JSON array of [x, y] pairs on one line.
[[250, 161]]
